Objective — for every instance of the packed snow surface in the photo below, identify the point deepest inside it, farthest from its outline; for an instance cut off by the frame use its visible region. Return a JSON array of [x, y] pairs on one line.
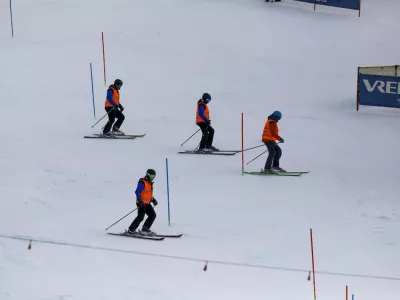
[[61, 191]]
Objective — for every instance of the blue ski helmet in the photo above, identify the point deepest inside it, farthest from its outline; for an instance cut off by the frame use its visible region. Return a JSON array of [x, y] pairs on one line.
[[206, 97], [277, 114], [118, 82]]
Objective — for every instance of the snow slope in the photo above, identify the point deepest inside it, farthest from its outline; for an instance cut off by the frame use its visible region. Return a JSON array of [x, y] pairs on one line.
[[253, 57]]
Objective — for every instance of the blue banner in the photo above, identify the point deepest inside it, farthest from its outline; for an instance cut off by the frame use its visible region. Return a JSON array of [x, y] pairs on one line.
[[349, 4], [379, 90]]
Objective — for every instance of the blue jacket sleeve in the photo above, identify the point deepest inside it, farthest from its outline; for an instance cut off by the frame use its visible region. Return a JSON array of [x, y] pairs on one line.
[[109, 97], [139, 189], [201, 113]]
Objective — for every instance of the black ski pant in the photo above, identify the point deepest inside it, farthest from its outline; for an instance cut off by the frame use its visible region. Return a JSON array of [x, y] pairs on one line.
[[112, 114], [144, 210], [274, 154], [208, 135]]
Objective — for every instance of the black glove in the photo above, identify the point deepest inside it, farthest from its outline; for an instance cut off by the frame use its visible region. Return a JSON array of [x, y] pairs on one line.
[[155, 202], [141, 204], [281, 140], [208, 123], [121, 108]]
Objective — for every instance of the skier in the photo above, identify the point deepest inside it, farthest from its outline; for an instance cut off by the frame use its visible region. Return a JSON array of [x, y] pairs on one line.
[[144, 196], [269, 138], [114, 109], [204, 122]]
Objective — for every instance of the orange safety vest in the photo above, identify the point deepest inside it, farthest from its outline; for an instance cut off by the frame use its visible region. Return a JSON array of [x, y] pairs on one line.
[[115, 97], [206, 112], [267, 135], [147, 193]]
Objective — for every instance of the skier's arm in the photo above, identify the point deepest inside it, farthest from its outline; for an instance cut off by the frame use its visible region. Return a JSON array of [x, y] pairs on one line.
[[274, 130], [110, 96], [201, 113], [139, 189]]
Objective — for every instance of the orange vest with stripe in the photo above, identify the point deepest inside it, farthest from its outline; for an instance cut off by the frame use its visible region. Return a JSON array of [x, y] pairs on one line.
[[147, 193], [267, 135], [115, 97], [206, 112]]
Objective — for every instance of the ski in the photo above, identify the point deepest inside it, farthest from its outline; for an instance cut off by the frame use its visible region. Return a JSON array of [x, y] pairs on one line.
[[137, 236], [169, 235], [208, 153], [276, 174], [212, 152], [110, 137], [128, 135]]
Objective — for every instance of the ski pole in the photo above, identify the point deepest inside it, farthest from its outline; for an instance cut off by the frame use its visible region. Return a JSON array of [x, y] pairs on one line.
[[103, 117], [202, 137], [120, 219], [256, 157], [252, 147], [190, 137]]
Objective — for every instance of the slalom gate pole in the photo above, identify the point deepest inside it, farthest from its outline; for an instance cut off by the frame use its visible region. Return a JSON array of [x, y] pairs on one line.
[[91, 78], [104, 59], [190, 137], [103, 117], [313, 265], [169, 211], [120, 219], [242, 145], [12, 23]]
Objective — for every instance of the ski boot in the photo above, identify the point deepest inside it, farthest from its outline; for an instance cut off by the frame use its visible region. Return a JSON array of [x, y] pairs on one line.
[[268, 171], [212, 148], [116, 131], [147, 232], [203, 150], [130, 232], [108, 134], [278, 169]]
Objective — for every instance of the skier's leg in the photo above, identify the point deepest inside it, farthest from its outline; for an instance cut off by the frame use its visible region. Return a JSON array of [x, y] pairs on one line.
[[204, 137], [271, 154], [140, 217], [210, 136], [151, 216], [111, 118], [121, 117], [278, 154]]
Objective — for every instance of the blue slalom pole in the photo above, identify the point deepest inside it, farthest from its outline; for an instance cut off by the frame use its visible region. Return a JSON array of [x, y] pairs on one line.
[[169, 212], [12, 23], [352, 297], [91, 78]]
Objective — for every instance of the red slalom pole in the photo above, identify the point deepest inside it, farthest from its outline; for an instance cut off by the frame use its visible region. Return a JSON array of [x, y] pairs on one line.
[[347, 292], [242, 144], [313, 265], [104, 59]]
